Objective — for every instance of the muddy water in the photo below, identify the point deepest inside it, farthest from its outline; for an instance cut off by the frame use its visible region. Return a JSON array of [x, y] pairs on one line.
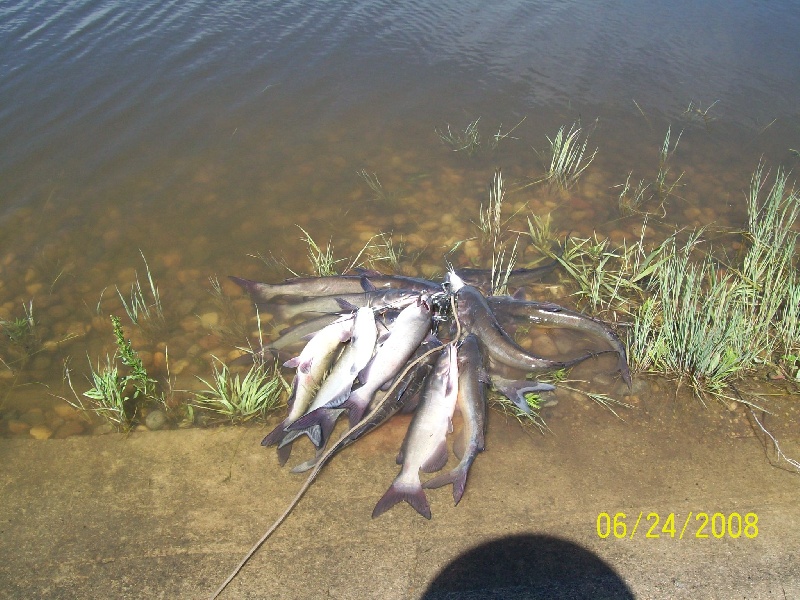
[[200, 135]]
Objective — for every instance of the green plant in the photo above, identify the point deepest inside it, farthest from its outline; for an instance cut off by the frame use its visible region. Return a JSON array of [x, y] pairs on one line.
[[467, 141], [140, 310], [379, 194], [507, 407], [492, 230], [385, 250], [113, 396], [568, 157], [695, 111], [21, 331], [633, 198], [107, 396], [664, 187], [241, 398], [322, 261]]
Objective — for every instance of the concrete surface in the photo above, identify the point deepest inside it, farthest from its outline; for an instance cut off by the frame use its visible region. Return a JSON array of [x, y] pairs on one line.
[[168, 514]]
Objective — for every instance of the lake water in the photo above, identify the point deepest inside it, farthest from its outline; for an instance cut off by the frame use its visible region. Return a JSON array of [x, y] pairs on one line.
[[199, 134]]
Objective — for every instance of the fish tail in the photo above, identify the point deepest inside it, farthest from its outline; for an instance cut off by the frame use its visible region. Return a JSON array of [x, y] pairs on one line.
[[399, 492], [276, 435], [458, 477], [260, 292], [356, 405], [625, 370], [284, 452], [290, 436]]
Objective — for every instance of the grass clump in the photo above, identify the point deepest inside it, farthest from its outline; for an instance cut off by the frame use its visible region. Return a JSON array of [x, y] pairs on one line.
[[113, 396], [470, 141], [568, 159], [634, 197], [695, 317], [467, 141], [21, 335], [143, 311], [492, 230], [379, 194], [242, 398]]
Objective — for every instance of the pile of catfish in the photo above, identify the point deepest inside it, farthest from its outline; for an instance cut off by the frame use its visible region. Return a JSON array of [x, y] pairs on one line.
[[376, 345]]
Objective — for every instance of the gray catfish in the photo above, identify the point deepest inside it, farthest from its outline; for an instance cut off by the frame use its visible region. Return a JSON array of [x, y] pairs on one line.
[[471, 403], [403, 394], [312, 364], [476, 317], [337, 385], [408, 331], [425, 446], [548, 313], [333, 304], [333, 285]]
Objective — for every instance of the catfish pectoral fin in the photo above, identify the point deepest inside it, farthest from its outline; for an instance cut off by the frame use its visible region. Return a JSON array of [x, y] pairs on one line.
[[413, 494], [437, 460]]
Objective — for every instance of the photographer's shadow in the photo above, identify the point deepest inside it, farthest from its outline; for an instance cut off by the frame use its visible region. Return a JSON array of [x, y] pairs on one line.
[[528, 566]]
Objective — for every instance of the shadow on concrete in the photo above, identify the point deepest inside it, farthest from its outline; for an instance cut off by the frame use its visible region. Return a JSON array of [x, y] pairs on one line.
[[527, 566]]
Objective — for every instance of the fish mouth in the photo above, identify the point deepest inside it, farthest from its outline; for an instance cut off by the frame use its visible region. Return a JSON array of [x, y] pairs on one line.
[[424, 302]]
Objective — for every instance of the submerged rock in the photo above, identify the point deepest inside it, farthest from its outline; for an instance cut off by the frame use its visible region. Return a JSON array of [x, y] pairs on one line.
[[155, 420]]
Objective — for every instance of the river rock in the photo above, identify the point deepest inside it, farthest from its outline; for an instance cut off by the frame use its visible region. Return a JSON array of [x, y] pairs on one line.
[[34, 417], [40, 432], [65, 411], [68, 429], [16, 426], [155, 420]]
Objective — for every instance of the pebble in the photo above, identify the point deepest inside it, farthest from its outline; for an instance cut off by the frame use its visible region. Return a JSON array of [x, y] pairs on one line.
[[103, 429], [40, 432], [692, 212], [155, 420], [34, 288], [544, 346], [563, 343], [16, 426], [34, 417], [68, 429], [41, 362], [159, 360]]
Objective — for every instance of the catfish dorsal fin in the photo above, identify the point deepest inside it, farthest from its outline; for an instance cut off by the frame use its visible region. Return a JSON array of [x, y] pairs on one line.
[[345, 305], [367, 285]]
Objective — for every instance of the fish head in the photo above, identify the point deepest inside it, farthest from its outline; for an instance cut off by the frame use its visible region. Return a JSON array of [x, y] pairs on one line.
[[453, 281]]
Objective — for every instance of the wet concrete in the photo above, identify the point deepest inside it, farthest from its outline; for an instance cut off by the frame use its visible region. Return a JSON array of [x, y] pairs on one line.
[[168, 514]]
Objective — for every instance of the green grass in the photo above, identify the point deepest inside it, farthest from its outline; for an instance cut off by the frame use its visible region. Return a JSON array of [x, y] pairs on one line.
[[492, 228], [21, 332], [383, 251], [144, 308], [568, 158], [241, 398], [701, 319], [114, 396], [634, 197], [379, 194], [107, 396], [468, 141]]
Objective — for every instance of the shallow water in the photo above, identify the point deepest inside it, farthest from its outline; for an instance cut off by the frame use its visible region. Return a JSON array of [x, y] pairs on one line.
[[201, 133]]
